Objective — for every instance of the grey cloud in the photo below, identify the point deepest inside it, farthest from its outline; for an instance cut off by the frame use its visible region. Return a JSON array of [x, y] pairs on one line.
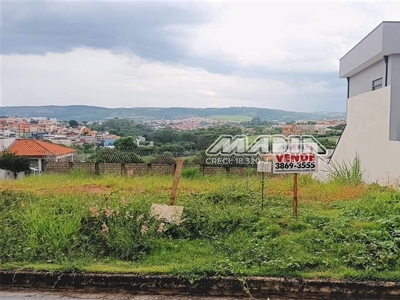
[[154, 32], [40, 27], [99, 77]]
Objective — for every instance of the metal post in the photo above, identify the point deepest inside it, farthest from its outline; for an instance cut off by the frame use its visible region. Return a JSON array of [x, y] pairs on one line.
[[295, 195], [262, 190]]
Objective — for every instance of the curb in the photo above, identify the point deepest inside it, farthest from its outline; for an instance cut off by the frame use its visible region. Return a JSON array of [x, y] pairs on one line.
[[211, 286]]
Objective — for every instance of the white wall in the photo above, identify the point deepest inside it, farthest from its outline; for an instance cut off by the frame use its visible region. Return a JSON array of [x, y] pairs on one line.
[[6, 175], [383, 40], [20, 175], [67, 143], [394, 81], [362, 82], [367, 134], [391, 37], [5, 143], [365, 53]]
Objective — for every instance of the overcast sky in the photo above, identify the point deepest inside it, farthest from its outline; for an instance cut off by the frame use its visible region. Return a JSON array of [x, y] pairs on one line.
[[282, 55]]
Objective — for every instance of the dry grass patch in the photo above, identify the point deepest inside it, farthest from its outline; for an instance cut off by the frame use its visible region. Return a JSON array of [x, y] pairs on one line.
[[339, 193], [310, 191], [88, 189]]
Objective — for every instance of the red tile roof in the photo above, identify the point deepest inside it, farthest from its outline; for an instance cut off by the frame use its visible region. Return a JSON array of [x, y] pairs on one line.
[[29, 147]]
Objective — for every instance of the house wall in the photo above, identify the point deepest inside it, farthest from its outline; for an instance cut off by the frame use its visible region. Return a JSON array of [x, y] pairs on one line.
[[366, 52], [65, 142], [65, 158], [367, 135], [5, 143], [391, 37], [59, 168], [394, 81], [383, 40], [362, 82]]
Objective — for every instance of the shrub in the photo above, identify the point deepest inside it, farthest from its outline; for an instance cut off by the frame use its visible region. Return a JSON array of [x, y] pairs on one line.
[[14, 163], [121, 231], [165, 158], [192, 173], [348, 173], [107, 155]]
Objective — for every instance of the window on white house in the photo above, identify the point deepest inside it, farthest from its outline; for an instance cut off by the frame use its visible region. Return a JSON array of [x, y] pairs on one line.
[[377, 84]]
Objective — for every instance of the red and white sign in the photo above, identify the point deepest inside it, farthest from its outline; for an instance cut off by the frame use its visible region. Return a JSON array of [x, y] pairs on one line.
[[287, 163]]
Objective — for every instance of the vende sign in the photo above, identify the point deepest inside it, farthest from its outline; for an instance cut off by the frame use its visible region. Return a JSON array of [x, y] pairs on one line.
[[295, 163]]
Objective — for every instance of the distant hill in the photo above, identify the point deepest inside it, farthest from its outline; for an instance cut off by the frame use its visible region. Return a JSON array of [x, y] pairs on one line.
[[93, 113]]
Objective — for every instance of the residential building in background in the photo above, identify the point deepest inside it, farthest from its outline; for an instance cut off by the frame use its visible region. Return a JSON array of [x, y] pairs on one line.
[[40, 151], [372, 70]]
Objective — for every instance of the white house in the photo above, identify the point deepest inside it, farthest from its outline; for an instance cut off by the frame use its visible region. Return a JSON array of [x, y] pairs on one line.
[[372, 70], [40, 151]]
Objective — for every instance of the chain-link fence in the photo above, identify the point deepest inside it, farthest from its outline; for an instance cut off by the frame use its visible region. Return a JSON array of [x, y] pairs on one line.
[[112, 155]]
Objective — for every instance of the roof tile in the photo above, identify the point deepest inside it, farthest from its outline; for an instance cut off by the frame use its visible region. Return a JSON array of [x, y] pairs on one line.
[[29, 147]]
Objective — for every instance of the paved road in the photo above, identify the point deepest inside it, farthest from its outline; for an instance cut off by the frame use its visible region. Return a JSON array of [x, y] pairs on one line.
[[34, 295]]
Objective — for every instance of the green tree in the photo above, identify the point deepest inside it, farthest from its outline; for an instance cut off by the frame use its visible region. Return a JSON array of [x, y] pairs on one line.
[[121, 127], [73, 123], [166, 135], [259, 130], [14, 163], [125, 144], [328, 143], [339, 127], [172, 148]]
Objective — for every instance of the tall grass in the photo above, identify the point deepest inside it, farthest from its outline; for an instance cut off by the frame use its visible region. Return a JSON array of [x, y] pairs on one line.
[[50, 230], [346, 173], [192, 173], [342, 230]]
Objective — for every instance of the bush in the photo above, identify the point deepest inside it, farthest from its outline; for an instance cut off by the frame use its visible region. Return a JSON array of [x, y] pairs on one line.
[[14, 163], [165, 158], [346, 173], [12, 237], [200, 158], [108, 155], [192, 173], [121, 231]]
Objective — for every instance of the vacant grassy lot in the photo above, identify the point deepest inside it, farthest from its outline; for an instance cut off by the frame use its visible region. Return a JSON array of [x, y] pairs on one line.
[[77, 222]]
